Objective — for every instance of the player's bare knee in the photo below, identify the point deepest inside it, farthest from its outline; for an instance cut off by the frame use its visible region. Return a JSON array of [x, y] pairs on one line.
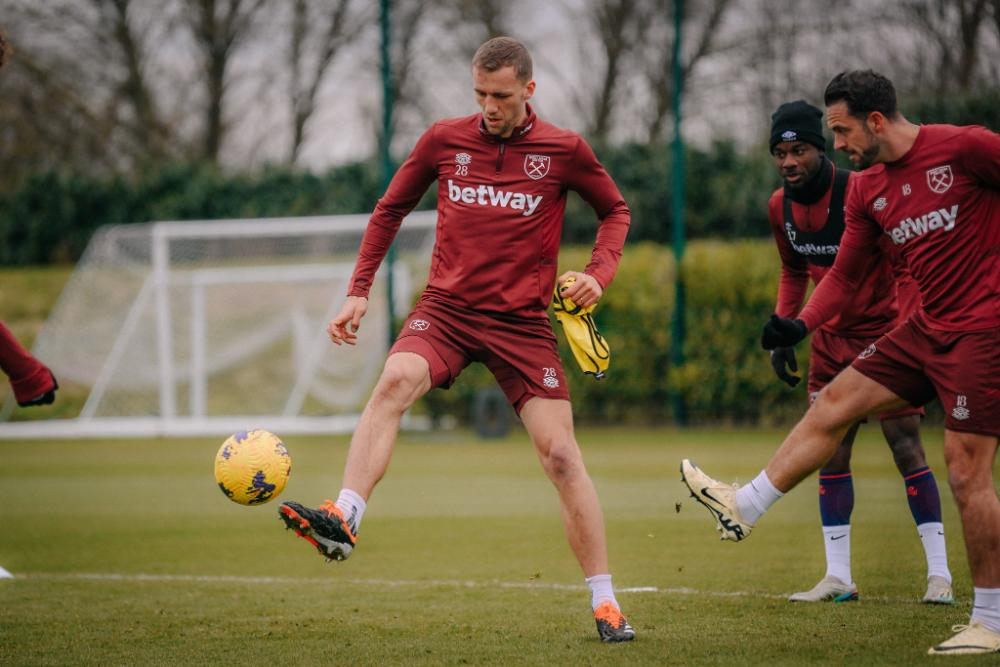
[[397, 386], [561, 461], [970, 466], [827, 413]]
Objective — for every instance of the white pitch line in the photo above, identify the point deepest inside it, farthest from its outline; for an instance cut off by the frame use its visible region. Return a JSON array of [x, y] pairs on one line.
[[398, 583]]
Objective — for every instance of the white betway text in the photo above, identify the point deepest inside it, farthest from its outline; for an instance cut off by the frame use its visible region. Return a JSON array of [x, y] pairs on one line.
[[910, 228], [487, 195]]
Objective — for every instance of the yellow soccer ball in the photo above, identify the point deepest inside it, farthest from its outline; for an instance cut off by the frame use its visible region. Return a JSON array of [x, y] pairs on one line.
[[252, 467]]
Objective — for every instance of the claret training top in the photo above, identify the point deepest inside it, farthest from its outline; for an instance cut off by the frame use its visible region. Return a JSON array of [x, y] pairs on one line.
[[499, 213], [939, 205]]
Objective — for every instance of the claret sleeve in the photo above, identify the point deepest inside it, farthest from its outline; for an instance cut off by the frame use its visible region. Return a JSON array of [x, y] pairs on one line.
[[589, 179], [408, 185]]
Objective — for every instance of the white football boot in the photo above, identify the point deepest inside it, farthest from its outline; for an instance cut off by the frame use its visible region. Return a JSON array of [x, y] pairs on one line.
[[938, 591], [719, 499], [829, 589], [971, 639]]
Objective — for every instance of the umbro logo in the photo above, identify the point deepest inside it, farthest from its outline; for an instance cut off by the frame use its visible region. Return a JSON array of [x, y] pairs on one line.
[[788, 135], [420, 325], [880, 204], [961, 410]]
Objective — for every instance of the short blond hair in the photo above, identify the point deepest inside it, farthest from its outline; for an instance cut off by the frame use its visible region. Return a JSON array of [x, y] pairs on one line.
[[502, 52]]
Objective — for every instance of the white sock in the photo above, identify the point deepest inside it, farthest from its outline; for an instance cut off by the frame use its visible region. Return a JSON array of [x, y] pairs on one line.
[[353, 506], [837, 542], [932, 536], [756, 497], [600, 590], [986, 608]]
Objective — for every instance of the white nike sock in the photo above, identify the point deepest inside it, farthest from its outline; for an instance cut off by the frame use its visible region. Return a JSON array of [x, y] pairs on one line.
[[756, 497], [932, 536], [353, 506], [986, 607], [837, 542], [600, 590]]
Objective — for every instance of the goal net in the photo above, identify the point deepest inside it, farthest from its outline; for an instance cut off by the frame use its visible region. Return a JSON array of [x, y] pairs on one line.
[[184, 328]]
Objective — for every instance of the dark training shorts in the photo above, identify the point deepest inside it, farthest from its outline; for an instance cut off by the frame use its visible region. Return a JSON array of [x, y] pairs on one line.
[[961, 368], [521, 352], [831, 354]]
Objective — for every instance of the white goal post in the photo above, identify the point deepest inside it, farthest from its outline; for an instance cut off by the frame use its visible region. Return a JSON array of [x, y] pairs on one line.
[[211, 327]]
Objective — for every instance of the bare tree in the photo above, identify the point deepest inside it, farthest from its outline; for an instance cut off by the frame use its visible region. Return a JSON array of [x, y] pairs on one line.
[[57, 108], [953, 29], [701, 37], [142, 115], [619, 26], [407, 59], [219, 28], [328, 27]]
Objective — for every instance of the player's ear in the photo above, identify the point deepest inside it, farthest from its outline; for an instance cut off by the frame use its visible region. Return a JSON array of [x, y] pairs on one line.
[[529, 90], [876, 121]]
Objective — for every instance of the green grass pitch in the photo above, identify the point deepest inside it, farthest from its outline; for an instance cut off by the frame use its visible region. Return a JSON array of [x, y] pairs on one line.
[[126, 553]]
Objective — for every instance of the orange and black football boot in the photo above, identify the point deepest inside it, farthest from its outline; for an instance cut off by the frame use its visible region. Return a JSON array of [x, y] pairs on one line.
[[611, 625], [324, 528]]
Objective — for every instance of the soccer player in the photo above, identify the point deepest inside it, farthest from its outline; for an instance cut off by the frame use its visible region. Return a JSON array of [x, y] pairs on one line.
[[934, 190], [502, 177], [807, 220]]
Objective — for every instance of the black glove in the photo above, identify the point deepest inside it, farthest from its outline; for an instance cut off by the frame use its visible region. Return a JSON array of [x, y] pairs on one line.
[[780, 357], [782, 332]]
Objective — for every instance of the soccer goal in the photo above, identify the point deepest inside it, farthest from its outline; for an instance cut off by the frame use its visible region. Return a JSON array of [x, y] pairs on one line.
[[205, 328]]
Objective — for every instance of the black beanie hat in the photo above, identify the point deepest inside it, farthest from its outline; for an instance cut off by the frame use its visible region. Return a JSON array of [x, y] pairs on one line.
[[797, 121]]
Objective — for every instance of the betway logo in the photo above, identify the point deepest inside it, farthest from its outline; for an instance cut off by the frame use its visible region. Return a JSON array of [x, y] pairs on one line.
[[913, 227], [814, 249], [487, 195]]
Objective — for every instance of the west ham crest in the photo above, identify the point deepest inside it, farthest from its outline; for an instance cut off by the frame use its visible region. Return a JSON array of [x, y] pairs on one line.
[[536, 166], [939, 179]]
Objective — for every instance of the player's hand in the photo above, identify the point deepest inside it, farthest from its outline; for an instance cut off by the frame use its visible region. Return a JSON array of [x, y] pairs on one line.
[[782, 332], [344, 327], [586, 291], [782, 357]]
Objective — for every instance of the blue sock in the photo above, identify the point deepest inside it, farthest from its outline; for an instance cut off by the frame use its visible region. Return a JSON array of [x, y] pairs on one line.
[[836, 499], [922, 495]]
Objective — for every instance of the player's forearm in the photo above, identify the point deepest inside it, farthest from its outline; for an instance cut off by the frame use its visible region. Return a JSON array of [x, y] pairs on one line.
[[792, 288], [16, 362], [379, 234], [832, 295], [607, 252]]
